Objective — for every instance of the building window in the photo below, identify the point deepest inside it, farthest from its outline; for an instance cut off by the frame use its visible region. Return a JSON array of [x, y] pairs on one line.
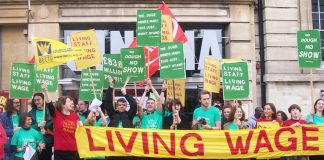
[[318, 20]]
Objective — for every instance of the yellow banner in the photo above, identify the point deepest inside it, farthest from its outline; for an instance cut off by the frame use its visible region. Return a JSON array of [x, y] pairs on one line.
[[86, 40], [167, 35], [200, 144], [50, 53], [211, 75], [180, 90]]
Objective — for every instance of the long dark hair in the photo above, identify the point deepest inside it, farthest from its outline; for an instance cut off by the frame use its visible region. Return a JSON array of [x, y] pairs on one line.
[[232, 114], [9, 106], [33, 105], [226, 105], [320, 99], [273, 108], [284, 117]]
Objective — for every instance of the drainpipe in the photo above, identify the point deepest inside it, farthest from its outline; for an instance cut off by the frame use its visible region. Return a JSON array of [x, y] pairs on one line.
[[262, 62]]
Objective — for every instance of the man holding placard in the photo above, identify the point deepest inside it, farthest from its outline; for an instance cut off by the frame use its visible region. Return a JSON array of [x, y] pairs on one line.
[[153, 118], [206, 116], [119, 117]]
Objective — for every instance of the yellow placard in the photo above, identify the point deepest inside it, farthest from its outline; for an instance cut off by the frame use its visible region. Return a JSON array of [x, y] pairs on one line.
[[211, 75], [180, 90], [50, 53], [261, 125], [86, 40], [200, 144], [167, 35]]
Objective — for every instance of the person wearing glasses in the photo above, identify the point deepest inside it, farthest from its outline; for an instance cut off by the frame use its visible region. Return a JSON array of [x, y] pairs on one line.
[[10, 120], [42, 123]]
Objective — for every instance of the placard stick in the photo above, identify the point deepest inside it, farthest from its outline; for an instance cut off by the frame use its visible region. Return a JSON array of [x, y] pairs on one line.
[[93, 88], [128, 78], [148, 60], [173, 105], [235, 103], [311, 86], [135, 90]]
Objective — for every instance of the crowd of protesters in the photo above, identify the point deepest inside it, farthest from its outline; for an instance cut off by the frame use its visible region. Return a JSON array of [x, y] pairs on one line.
[[50, 126]]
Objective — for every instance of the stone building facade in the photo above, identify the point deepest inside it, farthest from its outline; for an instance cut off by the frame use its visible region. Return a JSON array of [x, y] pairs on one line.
[[235, 22]]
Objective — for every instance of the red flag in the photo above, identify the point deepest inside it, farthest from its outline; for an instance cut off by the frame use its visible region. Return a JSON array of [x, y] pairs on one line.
[[178, 34], [152, 64], [32, 60]]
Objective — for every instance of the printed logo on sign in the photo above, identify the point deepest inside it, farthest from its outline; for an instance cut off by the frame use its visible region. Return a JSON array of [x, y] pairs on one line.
[[44, 51], [44, 48]]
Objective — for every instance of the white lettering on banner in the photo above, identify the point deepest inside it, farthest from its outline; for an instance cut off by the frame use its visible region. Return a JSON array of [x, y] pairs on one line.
[[210, 42]]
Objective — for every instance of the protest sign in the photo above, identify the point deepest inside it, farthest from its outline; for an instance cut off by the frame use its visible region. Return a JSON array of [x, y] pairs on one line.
[[112, 67], [148, 27], [22, 80], [235, 80], [133, 61], [4, 95], [50, 53], [49, 76], [197, 144], [309, 49], [86, 88], [87, 40], [179, 90], [167, 35], [172, 64], [212, 75]]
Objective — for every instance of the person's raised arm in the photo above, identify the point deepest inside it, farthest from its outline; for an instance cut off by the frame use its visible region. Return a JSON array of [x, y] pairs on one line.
[[103, 117], [132, 104], [109, 98], [47, 98], [158, 100], [141, 103], [48, 101], [162, 94]]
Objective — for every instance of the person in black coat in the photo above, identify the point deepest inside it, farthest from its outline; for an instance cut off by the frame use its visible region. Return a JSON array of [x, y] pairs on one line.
[[177, 119], [119, 117]]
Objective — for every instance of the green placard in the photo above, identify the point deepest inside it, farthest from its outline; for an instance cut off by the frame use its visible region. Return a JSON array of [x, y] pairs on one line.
[[22, 80], [148, 27], [172, 65], [49, 77], [86, 89], [235, 80], [112, 67], [309, 49], [133, 61]]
